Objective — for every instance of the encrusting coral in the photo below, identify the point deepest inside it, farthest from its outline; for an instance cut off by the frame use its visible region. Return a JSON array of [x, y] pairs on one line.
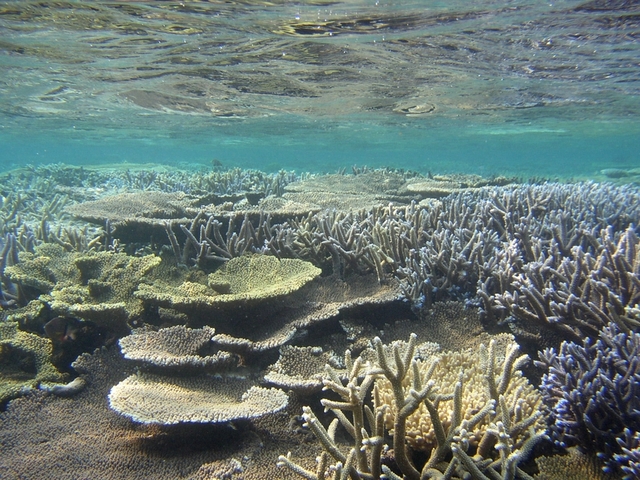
[[509, 412]]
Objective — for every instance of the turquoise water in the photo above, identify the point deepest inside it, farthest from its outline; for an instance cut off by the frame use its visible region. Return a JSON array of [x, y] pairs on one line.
[[520, 87], [546, 154]]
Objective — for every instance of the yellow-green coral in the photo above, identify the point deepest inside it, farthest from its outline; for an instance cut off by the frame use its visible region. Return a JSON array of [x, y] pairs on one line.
[[95, 286], [250, 277], [25, 362]]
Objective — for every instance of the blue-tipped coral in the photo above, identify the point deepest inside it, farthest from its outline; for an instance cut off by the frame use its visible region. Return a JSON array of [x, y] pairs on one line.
[[592, 392]]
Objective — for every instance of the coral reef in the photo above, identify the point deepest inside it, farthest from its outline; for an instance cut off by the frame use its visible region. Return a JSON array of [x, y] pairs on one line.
[[263, 318], [25, 362], [95, 286], [513, 420], [590, 389], [156, 399], [469, 367], [212, 271]]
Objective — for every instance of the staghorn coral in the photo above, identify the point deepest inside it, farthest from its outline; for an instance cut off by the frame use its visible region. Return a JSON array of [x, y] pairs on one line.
[[629, 458], [469, 367], [205, 237], [590, 390], [576, 294], [156, 399], [440, 249], [498, 450]]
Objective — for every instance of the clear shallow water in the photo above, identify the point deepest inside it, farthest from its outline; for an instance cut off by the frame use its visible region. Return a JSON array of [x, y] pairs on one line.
[[522, 87]]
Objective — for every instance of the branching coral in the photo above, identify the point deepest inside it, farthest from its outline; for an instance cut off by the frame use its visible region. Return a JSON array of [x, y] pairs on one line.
[[591, 390], [499, 431], [577, 294]]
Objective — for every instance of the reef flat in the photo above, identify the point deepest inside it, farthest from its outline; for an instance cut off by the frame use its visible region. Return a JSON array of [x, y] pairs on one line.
[[237, 324]]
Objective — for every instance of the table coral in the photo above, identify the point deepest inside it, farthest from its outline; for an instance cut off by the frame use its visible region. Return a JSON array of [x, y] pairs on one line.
[[174, 347], [247, 278], [132, 207], [25, 362], [148, 398]]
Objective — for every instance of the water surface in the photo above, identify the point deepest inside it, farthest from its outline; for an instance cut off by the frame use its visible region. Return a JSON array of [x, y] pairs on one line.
[[525, 87]]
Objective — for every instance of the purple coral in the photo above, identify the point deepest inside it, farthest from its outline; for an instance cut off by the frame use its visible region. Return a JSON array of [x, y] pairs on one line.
[[629, 459], [593, 393]]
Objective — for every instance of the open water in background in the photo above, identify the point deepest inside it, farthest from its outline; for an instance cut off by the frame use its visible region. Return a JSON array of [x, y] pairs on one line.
[[523, 87]]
